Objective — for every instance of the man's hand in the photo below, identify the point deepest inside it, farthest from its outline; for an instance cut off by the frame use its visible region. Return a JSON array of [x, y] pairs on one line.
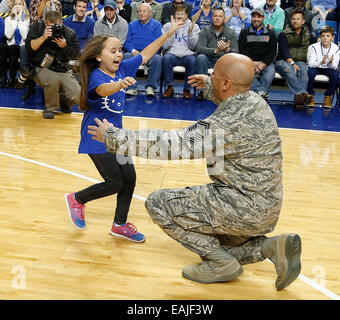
[[259, 66], [223, 46], [47, 32], [296, 68], [98, 132], [197, 80], [61, 42]]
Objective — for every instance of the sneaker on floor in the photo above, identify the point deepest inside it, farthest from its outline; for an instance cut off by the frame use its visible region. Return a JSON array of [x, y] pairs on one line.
[[149, 92], [76, 211], [48, 114], [131, 92], [127, 231]]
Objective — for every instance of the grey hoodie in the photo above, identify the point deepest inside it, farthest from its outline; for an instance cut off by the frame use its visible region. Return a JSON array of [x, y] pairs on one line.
[[181, 44]]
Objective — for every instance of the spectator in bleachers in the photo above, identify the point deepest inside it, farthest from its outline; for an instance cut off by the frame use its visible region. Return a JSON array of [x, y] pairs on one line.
[[49, 5], [50, 58], [5, 6], [299, 4], [38, 9], [124, 10], [285, 4], [324, 59], [213, 42], [111, 23], [202, 14], [16, 29], [275, 16], [80, 23], [141, 33], [3, 56], [156, 8], [292, 57], [237, 16], [259, 43], [67, 7], [180, 51], [169, 10], [326, 9], [259, 3], [94, 10]]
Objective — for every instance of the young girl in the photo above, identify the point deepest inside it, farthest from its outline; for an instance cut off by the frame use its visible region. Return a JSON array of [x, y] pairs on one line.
[[16, 29], [103, 77]]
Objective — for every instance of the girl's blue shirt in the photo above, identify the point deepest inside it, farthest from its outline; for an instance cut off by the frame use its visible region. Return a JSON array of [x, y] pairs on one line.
[[110, 108]]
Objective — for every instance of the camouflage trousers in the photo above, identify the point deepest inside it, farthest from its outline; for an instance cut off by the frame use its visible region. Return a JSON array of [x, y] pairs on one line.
[[188, 216]]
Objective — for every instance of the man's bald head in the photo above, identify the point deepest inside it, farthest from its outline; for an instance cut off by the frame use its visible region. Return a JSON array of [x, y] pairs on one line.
[[233, 74], [238, 68]]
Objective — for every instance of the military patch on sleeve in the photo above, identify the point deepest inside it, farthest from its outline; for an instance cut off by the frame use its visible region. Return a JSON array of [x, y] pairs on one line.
[[197, 131]]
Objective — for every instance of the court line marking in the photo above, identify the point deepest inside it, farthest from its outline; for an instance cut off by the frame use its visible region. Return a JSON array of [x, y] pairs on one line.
[[301, 277], [166, 119]]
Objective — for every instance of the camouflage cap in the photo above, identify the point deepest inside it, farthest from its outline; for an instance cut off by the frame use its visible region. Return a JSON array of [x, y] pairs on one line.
[[260, 11]]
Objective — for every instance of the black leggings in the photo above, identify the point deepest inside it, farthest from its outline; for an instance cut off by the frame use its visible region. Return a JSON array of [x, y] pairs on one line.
[[119, 177]]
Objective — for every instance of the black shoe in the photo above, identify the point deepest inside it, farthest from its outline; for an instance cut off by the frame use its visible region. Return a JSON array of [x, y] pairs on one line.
[[64, 107], [48, 114], [12, 82], [19, 85], [200, 96], [3, 82], [29, 92]]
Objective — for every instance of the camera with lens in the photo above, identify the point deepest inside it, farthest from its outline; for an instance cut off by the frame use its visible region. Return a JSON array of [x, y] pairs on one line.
[[26, 72], [57, 31]]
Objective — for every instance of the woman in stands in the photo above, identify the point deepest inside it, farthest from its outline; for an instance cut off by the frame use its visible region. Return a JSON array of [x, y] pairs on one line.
[[103, 76], [202, 13], [237, 16], [325, 8], [16, 29]]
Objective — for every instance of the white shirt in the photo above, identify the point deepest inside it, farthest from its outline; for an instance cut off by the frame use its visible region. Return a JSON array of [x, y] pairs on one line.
[[317, 53]]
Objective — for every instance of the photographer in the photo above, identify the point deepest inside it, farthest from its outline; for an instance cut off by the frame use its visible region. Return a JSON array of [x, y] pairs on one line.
[[52, 46]]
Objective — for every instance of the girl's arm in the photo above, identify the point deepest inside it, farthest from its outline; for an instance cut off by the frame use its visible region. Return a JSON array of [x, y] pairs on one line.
[[107, 89]]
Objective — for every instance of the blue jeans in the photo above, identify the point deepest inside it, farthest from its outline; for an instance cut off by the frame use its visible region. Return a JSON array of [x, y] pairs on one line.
[[297, 83], [333, 76], [155, 70], [170, 61], [263, 81], [204, 63]]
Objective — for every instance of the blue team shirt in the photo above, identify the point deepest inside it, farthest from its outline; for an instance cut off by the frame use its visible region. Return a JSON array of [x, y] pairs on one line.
[[110, 108]]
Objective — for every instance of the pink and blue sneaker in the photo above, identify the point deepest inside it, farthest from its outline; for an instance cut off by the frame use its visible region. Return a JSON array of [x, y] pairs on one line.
[[76, 211], [127, 231]]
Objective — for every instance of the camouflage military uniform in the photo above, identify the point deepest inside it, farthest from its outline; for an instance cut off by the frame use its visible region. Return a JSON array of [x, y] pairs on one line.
[[242, 147]]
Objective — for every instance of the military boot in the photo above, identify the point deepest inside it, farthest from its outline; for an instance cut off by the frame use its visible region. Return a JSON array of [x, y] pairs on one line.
[[284, 251], [218, 266]]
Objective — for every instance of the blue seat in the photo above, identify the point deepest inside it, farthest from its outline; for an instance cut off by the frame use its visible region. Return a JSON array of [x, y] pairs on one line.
[[333, 24]]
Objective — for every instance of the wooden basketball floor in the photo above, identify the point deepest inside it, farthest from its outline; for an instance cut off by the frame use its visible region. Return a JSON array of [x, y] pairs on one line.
[[42, 256]]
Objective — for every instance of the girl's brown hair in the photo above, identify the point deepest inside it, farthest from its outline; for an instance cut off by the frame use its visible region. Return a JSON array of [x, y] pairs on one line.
[[88, 63]]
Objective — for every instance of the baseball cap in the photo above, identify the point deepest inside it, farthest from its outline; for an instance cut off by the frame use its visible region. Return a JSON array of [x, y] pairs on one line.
[[110, 3], [259, 11]]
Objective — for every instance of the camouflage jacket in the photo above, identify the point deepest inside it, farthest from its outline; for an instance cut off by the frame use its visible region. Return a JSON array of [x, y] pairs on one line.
[[240, 142]]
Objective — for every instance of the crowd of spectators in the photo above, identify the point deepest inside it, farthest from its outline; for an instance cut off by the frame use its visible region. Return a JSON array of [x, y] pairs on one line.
[[279, 36]]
